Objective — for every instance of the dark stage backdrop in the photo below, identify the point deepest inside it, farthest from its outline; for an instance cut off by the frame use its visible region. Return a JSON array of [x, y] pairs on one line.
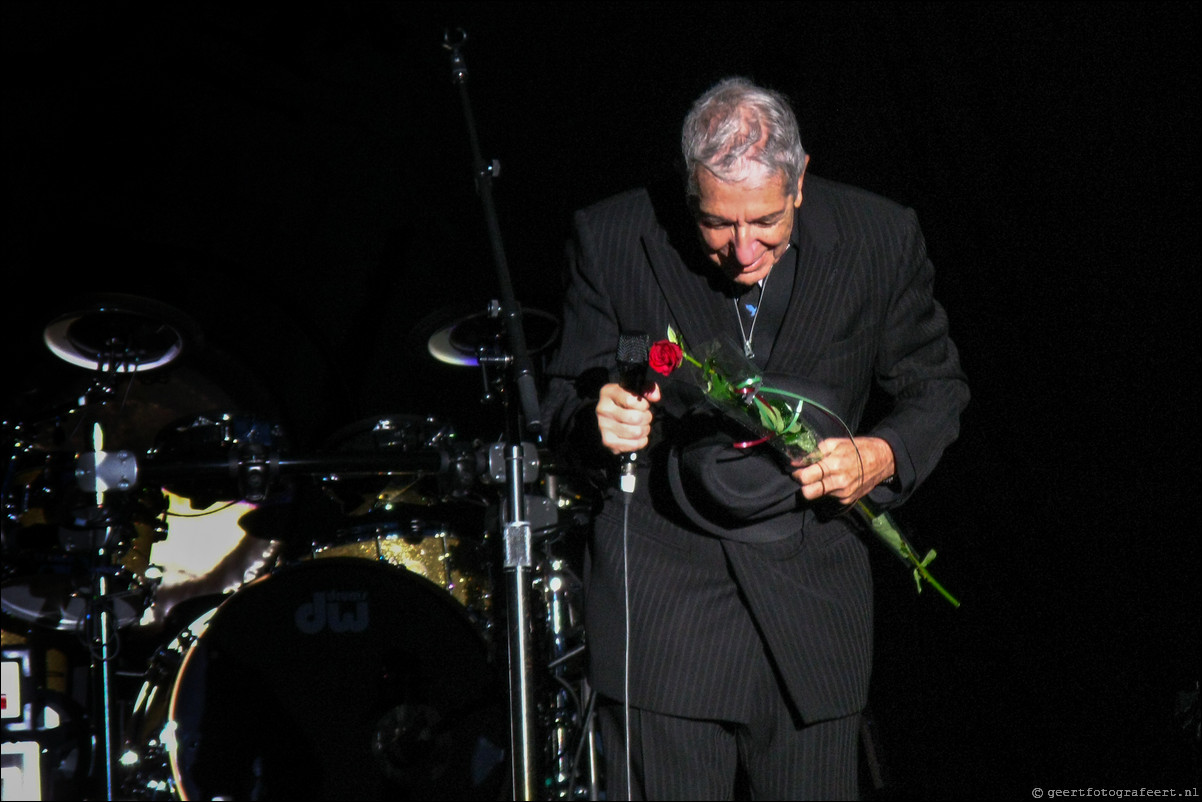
[[297, 179]]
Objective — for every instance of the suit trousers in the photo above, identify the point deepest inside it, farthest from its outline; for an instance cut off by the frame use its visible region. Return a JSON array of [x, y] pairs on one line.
[[770, 757]]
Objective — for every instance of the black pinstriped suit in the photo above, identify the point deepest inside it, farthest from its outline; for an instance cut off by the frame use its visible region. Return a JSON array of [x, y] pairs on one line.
[[860, 310]]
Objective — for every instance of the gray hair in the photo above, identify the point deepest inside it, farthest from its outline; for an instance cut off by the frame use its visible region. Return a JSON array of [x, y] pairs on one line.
[[724, 129]]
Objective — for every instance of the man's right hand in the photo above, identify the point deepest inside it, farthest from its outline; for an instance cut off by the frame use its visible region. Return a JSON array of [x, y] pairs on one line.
[[625, 418]]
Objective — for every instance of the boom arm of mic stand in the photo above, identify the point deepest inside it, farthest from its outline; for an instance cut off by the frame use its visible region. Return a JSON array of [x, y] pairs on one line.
[[510, 310]]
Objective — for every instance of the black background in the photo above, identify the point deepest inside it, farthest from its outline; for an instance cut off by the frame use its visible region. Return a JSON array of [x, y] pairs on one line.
[[298, 180]]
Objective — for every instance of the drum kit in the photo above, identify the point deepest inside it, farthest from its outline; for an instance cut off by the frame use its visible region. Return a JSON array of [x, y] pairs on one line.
[[202, 612]]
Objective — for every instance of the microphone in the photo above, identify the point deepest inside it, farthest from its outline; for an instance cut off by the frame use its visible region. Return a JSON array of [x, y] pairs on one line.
[[633, 350]]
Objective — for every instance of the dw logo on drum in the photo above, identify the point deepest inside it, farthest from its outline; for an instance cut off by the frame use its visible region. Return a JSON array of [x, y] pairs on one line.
[[327, 610]]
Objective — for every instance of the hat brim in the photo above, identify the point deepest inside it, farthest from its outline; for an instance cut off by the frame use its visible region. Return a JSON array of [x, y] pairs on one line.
[[744, 494]]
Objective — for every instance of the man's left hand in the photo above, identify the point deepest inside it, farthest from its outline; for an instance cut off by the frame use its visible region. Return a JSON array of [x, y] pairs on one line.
[[849, 469]]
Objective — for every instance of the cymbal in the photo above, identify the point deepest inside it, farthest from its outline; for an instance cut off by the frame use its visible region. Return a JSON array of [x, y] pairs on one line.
[[146, 365], [120, 333], [458, 342], [130, 419]]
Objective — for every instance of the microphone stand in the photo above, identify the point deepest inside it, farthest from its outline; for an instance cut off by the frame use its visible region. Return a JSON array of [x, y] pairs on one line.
[[518, 562], [100, 625]]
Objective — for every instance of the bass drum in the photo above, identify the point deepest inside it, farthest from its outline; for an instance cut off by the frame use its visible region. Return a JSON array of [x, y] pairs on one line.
[[336, 678]]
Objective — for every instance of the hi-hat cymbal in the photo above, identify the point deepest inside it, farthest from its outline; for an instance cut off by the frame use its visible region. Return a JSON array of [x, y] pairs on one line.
[[456, 337], [120, 334]]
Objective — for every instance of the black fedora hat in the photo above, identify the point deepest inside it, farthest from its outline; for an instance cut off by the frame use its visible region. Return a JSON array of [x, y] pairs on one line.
[[744, 494]]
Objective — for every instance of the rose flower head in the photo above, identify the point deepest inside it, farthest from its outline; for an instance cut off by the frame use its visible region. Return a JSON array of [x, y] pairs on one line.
[[665, 357]]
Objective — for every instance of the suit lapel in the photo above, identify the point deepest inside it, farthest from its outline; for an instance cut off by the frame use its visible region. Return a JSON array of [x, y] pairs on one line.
[[807, 322], [694, 307]]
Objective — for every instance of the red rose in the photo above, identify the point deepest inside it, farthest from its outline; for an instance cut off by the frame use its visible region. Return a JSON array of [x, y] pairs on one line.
[[665, 357]]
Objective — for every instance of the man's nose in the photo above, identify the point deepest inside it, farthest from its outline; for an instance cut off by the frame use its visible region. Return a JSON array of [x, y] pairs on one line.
[[745, 245]]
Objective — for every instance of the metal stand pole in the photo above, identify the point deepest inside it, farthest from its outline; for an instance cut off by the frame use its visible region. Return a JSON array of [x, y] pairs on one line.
[[101, 635], [515, 525], [518, 567]]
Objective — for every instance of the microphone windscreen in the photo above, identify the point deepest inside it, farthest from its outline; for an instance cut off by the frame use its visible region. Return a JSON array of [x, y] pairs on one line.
[[633, 348]]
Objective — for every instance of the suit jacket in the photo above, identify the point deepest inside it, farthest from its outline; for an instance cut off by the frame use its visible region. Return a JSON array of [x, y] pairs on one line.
[[703, 609]]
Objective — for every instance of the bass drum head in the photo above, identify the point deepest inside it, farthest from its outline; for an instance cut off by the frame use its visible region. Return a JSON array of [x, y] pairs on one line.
[[340, 678]]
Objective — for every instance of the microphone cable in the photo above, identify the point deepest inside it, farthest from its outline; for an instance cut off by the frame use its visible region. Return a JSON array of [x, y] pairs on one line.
[[634, 350], [626, 644]]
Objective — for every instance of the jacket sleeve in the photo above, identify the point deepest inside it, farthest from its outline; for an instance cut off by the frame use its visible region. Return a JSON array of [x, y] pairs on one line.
[[918, 367], [586, 352]]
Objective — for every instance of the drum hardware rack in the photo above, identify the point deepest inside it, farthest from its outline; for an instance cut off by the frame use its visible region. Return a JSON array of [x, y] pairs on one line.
[[562, 745], [552, 737]]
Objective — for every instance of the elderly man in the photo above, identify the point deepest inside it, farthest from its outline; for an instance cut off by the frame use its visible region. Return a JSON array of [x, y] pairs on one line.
[[728, 606]]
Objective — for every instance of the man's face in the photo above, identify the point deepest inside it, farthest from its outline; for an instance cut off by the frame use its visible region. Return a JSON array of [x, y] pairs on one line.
[[745, 226]]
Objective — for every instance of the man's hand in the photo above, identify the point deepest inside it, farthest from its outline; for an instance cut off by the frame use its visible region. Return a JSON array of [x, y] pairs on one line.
[[625, 418], [848, 469]]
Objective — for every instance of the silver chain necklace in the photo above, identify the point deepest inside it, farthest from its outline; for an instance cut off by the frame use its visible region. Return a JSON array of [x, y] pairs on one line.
[[748, 335]]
